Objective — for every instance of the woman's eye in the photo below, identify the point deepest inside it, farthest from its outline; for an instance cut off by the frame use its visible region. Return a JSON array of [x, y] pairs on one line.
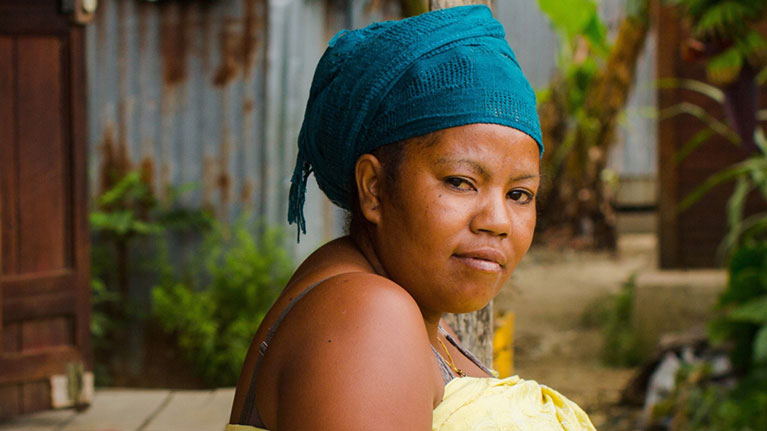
[[521, 196], [459, 183]]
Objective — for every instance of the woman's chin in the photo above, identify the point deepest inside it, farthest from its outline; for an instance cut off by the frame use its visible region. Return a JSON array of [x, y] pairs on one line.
[[470, 305], [475, 298]]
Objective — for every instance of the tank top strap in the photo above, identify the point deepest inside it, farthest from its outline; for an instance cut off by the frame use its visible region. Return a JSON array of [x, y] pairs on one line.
[[273, 330], [466, 352], [250, 415]]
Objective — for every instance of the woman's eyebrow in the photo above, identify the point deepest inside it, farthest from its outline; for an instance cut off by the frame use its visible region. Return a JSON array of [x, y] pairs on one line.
[[476, 167], [482, 170], [525, 177]]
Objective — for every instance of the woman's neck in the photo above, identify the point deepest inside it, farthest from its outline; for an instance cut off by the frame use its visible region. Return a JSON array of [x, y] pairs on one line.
[[366, 245]]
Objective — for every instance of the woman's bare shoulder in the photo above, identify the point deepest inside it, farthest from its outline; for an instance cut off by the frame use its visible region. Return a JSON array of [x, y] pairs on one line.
[[370, 291], [355, 353], [359, 304]]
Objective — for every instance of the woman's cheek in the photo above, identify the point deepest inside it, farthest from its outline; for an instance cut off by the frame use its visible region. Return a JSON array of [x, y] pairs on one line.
[[524, 225]]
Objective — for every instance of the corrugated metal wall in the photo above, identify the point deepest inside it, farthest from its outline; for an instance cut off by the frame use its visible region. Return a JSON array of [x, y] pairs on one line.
[[211, 93]]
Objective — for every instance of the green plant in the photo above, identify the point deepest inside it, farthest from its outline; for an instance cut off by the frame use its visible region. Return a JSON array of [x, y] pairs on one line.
[[742, 325], [697, 403], [690, 403], [102, 325], [124, 216], [214, 314], [121, 214], [749, 176], [744, 304], [575, 20], [725, 35], [621, 346], [735, 52], [726, 27], [595, 313]]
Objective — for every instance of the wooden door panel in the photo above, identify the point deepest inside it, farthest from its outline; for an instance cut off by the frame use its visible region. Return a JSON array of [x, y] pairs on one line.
[[39, 307], [15, 286], [42, 194], [35, 395], [44, 264], [23, 367], [11, 338], [7, 158], [24, 397], [10, 401], [40, 334]]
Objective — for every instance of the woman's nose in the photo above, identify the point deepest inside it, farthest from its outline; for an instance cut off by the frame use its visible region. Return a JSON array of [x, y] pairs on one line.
[[492, 216]]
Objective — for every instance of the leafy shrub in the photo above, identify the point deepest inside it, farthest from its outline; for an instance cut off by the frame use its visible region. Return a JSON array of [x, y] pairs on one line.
[[697, 404], [621, 341], [745, 304], [700, 404], [728, 25], [102, 326], [215, 312], [127, 218], [595, 313]]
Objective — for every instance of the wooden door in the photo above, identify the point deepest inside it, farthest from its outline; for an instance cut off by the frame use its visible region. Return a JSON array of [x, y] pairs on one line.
[[44, 256]]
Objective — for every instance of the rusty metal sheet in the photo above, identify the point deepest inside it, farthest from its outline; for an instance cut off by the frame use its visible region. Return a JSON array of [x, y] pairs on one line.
[[212, 93]]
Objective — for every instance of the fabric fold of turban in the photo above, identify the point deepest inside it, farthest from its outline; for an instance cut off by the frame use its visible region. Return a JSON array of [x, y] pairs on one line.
[[396, 80]]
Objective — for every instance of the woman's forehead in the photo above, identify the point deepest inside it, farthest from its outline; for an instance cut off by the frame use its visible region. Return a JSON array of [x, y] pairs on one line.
[[477, 146]]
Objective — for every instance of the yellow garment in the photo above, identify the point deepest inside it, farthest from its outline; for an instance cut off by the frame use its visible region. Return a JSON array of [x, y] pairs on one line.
[[510, 404], [490, 404]]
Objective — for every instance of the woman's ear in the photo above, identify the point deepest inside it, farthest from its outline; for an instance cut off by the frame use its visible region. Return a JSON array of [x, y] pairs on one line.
[[368, 173]]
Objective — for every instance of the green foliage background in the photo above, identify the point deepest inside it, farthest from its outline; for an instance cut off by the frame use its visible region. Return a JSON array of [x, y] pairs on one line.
[[211, 305], [215, 311], [727, 25]]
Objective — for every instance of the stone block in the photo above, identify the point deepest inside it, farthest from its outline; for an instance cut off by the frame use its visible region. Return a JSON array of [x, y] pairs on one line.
[[674, 301]]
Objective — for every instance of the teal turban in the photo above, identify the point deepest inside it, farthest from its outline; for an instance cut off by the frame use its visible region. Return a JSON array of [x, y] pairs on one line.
[[396, 80]]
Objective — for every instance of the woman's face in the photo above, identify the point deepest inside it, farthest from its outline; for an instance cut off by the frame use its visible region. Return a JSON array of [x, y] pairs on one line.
[[460, 216]]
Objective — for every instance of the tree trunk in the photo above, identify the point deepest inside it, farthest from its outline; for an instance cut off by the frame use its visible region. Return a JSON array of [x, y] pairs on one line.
[[577, 198], [474, 329]]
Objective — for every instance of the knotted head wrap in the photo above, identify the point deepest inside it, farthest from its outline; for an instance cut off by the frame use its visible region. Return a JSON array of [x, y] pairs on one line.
[[396, 80]]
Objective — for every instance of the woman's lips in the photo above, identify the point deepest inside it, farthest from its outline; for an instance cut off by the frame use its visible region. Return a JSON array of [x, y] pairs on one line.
[[488, 260]]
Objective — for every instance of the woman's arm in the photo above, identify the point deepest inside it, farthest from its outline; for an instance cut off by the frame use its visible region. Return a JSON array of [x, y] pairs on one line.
[[353, 355]]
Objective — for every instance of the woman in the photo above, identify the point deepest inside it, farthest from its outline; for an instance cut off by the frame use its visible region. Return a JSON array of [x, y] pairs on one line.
[[425, 129]]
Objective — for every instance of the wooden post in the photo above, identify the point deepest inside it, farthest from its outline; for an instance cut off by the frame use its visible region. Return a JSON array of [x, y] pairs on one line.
[[669, 245], [474, 329], [444, 4]]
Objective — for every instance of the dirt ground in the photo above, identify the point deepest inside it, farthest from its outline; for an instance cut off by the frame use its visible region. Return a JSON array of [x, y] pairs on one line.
[[548, 294]]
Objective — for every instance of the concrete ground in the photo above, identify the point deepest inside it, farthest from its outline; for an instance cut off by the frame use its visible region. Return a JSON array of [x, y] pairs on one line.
[[136, 410]]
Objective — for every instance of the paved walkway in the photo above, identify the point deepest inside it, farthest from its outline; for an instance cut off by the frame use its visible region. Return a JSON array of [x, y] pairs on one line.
[[136, 410]]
